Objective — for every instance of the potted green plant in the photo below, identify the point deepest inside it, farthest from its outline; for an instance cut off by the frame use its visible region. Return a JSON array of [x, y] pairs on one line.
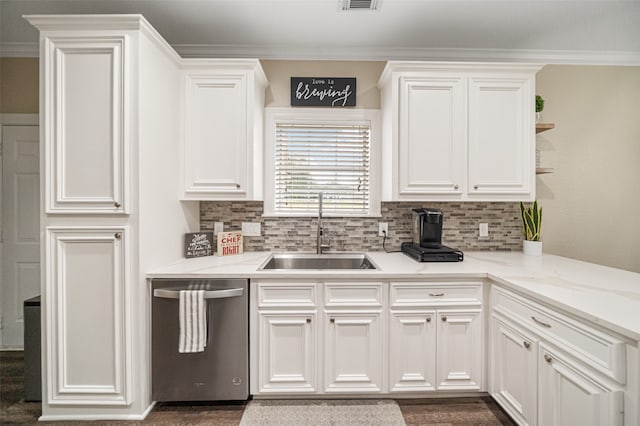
[[539, 107], [531, 224]]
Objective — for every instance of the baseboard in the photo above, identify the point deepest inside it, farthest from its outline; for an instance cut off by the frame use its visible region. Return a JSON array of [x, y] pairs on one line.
[[90, 417]]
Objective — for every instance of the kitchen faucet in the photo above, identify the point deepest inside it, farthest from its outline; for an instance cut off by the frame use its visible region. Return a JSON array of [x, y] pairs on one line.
[[319, 245]]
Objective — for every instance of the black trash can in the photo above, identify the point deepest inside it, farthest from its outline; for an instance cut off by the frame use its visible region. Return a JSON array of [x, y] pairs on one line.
[[32, 366]]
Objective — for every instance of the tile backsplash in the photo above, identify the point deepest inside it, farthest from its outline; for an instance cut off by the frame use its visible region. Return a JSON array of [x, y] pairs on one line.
[[460, 228]]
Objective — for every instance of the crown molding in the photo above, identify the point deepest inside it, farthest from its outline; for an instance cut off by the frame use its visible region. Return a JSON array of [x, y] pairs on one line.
[[575, 57], [19, 50], [557, 57]]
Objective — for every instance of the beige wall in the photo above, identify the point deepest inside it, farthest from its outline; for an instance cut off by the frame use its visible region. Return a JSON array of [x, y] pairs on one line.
[[592, 200], [19, 85], [279, 73]]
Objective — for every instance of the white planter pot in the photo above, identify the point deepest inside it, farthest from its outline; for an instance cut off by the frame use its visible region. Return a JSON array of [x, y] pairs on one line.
[[532, 248]]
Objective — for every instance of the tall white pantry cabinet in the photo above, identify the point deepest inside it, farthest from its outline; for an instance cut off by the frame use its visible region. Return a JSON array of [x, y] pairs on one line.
[[109, 96]]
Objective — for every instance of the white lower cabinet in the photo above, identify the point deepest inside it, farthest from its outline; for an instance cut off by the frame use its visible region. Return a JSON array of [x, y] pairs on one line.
[[412, 360], [570, 394], [435, 350], [515, 371], [288, 348], [353, 352], [538, 377], [459, 350]]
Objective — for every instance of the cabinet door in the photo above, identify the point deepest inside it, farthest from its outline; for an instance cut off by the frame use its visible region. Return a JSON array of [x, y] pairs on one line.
[[412, 346], [569, 395], [501, 138], [353, 352], [431, 138], [514, 371], [287, 352], [216, 137], [88, 353], [459, 343], [86, 126]]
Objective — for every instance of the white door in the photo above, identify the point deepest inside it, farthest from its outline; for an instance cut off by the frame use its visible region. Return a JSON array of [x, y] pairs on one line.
[[412, 346], [569, 395], [432, 137], [353, 352], [514, 371], [459, 343], [20, 227], [216, 135], [501, 137], [87, 128], [88, 328], [287, 352]]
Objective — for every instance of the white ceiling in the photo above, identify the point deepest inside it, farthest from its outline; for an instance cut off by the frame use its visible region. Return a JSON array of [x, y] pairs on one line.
[[548, 31]]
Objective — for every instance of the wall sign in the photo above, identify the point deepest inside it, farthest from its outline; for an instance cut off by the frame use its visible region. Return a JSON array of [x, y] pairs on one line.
[[323, 91], [198, 244]]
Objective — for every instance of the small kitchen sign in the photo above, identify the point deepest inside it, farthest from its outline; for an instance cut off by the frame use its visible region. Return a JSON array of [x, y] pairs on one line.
[[198, 244], [229, 243], [323, 91]]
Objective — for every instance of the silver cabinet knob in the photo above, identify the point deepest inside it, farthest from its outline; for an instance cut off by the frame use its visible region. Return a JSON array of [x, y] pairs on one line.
[[548, 358], [118, 235], [117, 204], [455, 186], [526, 344]]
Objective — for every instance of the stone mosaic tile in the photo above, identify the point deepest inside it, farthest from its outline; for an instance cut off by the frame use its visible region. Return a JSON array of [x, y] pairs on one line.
[[460, 228]]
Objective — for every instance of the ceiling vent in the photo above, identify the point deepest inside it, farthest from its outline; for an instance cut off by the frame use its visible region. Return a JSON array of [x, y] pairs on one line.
[[359, 4]]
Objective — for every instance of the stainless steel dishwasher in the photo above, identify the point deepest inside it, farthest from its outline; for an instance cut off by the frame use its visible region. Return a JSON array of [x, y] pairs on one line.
[[219, 373]]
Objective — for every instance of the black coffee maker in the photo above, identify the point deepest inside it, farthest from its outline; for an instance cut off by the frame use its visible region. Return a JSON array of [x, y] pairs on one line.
[[426, 238], [427, 228]]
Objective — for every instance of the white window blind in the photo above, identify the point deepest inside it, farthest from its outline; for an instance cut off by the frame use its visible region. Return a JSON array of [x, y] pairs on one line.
[[330, 158]]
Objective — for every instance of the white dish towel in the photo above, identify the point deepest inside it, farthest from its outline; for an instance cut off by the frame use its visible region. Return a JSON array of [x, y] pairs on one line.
[[193, 321]]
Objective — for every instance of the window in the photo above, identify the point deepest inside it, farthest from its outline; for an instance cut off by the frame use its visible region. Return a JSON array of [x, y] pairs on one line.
[[324, 151]]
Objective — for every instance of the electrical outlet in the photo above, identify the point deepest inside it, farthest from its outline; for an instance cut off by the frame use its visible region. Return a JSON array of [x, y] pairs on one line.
[[251, 229], [218, 227], [383, 227], [483, 230]]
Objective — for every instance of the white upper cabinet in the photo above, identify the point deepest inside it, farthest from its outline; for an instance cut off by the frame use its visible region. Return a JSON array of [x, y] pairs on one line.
[[455, 131], [85, 120], [223, 121], [431, 139], [501, 137]]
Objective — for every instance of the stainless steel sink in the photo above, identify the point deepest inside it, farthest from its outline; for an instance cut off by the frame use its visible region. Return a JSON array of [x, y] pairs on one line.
[[318, 261]]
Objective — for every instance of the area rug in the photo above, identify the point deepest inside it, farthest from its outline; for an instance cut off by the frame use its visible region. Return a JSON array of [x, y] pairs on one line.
[[322, 413]]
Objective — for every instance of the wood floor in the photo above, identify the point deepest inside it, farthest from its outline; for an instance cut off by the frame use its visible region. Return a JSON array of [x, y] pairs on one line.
[[437, 411]]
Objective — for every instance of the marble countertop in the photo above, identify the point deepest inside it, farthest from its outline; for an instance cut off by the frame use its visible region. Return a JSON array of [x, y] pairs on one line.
[[606, 296]]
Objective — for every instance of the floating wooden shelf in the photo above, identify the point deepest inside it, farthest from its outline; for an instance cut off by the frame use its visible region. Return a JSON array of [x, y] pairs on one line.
[[543, 170], [543, 127]]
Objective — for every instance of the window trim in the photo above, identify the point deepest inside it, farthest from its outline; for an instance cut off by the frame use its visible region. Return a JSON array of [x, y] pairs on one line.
[[293, 115]]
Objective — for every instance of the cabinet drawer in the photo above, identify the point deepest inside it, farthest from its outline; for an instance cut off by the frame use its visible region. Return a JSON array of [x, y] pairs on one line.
[[414, 294], [353, 294], [279, 295], [599, 350]]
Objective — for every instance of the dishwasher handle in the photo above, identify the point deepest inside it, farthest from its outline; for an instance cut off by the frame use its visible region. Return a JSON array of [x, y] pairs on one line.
[[173, 293]]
